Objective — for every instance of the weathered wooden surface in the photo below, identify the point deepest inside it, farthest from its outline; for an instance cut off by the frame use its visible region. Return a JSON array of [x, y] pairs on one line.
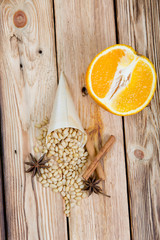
[[28, 73], [2, 223], [80, 35], [28, 83], [138, 25]]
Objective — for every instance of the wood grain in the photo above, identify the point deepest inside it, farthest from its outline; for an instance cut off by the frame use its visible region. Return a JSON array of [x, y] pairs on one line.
[[28, 83], [2, 222], [139, 26], [83, 28]]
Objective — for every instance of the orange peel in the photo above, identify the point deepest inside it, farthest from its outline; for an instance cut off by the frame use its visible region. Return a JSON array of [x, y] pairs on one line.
[[120, 80]]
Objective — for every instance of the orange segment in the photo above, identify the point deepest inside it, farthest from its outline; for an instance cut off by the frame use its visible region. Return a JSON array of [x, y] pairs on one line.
[[137, 91], [121, 81], [102, 79]]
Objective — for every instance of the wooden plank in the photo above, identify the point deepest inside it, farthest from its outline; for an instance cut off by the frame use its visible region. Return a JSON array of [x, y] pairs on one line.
[[28, 83], [139, 26], [83, 28], [2, 224]]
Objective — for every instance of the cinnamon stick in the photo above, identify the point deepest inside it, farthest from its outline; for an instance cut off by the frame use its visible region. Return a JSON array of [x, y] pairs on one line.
[[96, 160], [92, 153]]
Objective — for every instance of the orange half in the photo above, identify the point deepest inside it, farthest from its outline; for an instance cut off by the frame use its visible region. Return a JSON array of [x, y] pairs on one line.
[[121, 81]]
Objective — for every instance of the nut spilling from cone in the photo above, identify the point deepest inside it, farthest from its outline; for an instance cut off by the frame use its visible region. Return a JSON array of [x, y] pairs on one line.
[[63, 140], [68, 162]]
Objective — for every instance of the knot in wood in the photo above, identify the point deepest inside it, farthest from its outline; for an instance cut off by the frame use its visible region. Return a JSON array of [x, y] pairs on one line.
[[84, 91], [139, 154], [20, 19]]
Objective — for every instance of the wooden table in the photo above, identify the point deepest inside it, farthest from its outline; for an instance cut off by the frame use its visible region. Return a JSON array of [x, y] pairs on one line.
[[64, 35]]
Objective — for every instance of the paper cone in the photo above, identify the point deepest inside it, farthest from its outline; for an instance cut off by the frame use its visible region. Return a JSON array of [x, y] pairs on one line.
[[64, 114]]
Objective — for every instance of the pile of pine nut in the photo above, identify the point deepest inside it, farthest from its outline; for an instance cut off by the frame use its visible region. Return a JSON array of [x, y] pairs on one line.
[[68, 161]]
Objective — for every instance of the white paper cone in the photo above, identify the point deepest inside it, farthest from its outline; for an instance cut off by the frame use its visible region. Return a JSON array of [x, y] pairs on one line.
[[64, 114]]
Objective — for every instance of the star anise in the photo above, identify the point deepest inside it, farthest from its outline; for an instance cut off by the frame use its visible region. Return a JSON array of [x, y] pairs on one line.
[[91, 185], [36, 165]]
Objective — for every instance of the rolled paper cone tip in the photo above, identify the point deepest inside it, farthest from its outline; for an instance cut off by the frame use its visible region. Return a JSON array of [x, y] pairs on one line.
[[64, 114]]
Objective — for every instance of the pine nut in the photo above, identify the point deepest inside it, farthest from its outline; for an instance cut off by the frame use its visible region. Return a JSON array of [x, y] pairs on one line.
[[60, 152], [63, 181], [79, 194], [66, 201], [79, 138], [70, 130], [36, 149], [60, 189], [54, 134], [44, 181], [48, 145], [59, 130], [67, 189], [66, 212], [63, 193], [78, 180], [49, 181], [44, 122], [49, 175], [69, 174], [52, 185], [79, 161], [65, 131], [68, 196], [44, 134], [78, 198], [46, 185], [81, 150], [65, 172], [73, 193], [72, 181], [54, 167], [55, 174], [59, 184], [74, 134], [54, 179], [37, 125], [44, 176], [78, 190], [72, 196], [85, 154], [55, 189], [60, 136], [67, 139], [39, 137], [40, 179], [44, 129], [84, 195], [60, 146]]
